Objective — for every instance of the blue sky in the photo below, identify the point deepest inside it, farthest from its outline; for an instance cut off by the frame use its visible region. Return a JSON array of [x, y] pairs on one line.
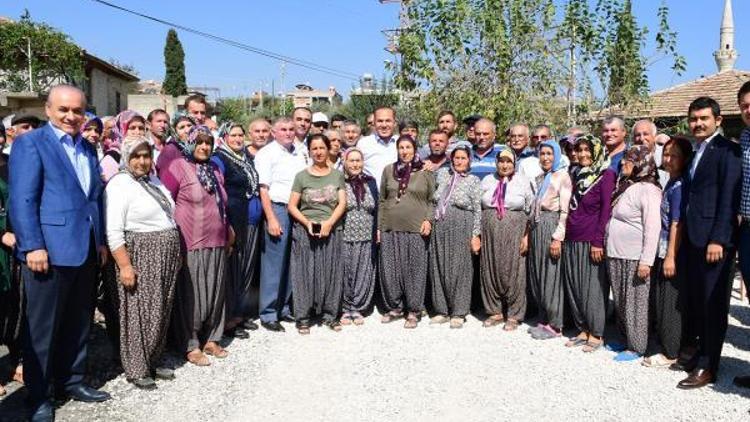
[[341, 34]]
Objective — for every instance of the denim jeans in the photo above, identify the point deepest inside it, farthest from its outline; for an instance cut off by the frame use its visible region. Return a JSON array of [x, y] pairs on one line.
[[275, 289]]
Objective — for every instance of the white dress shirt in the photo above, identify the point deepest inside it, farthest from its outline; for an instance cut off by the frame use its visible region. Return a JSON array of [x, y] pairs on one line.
[[377, 153], [277, 166], [699, 149], [130, 208]]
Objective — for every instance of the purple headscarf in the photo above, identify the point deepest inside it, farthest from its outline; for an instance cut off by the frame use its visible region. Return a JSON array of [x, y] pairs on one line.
[[120, 130]]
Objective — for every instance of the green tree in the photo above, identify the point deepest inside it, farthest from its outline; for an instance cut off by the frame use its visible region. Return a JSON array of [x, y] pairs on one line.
[[174, 63], [39, 50], [525, 60]]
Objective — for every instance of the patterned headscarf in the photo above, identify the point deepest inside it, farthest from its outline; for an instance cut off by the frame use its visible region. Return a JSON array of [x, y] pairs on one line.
[[498, 197], [442, 206], [402, 171], [358, 181], [587, 176], [204, 169], [644, 170], [241, 160], [119, 130], [92, 119], [130, 144], [178, 117]]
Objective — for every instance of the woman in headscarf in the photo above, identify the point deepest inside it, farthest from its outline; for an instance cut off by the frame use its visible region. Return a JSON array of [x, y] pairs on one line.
[[359, 251], [127, 123], [10, 284], [545, 241], [334, 160], [197, 186], [507, 197], [245, 214], [405, 213], [181, 125], [317, 203], [666, 276], [455, 238], [92, 130], [145, 245], [632, 242], [584, 271]]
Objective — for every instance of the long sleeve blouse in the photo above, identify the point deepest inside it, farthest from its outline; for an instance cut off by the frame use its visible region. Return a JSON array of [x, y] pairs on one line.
[[359, 220], [196, 211], [466, 195], [589, 214], [519, 194], [557, 198], [414, 207], [130, 208], [633, 231]]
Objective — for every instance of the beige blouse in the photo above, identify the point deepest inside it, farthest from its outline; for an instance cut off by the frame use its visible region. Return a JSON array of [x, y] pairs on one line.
[[557, 198]]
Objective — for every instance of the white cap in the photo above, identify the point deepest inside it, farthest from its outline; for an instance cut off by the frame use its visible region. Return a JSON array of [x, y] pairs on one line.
[[319, 117]]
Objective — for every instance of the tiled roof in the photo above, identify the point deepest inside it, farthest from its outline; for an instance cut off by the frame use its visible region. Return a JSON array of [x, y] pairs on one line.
[[674, 101]]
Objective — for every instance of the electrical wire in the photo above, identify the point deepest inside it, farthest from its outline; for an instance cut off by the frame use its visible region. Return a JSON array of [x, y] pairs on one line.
[[291, 60]]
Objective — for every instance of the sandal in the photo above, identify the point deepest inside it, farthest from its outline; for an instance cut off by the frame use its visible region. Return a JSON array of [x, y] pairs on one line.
[[492, 321], [346, 319], [657, 361], [389, 317], [511, 325], [411, 321], [577, 340], [303, 330], [198, 358], [215, 350], [592, 346], [358, 319], [333, 325]]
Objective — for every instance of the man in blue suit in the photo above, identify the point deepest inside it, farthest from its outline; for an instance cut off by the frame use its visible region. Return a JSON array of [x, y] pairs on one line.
[[56, 213], [709, 243]]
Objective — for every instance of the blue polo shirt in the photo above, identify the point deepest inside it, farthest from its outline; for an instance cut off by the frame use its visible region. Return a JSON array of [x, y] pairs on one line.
[[485, 164]]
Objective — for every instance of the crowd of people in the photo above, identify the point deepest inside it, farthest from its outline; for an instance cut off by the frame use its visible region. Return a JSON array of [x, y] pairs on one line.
[[166, 224]]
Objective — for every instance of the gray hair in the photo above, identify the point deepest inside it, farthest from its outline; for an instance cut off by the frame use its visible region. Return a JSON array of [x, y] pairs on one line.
[[651, 126], [614, 119], [486, 120], [537, 128], [283, 119], [336, 131], [522, 125]]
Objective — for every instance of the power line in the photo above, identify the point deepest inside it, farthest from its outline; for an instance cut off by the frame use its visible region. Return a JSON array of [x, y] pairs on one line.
[[297, 62]]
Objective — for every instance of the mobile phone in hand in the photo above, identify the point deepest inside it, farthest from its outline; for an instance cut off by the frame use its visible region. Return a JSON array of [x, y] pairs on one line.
[[316, 228]]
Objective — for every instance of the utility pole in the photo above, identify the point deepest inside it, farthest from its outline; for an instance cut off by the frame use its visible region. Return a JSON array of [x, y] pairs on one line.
[[283, 94], [31, 73]]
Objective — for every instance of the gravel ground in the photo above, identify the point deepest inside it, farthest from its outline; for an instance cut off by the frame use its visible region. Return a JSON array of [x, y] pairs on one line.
[[383, 372]]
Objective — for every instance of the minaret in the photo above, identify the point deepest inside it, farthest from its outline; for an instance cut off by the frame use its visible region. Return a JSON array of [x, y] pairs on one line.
[[726, 55]]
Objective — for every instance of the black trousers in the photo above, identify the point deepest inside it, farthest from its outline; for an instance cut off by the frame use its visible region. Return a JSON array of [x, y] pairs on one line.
[[56, 326], [707, 290]]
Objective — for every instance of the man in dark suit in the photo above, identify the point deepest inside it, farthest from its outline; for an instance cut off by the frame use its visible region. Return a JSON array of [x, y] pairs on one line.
[[709, 243], [56, 213]]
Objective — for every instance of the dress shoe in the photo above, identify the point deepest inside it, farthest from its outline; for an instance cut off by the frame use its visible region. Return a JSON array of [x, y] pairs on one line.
[[44, 413], [237, 332], [287, 318], [87, 394], [249, 325], [273, 326], [742, 381], [698, 378], [166, 374]]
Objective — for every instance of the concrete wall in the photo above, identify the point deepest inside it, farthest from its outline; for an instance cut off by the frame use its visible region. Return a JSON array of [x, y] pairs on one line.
[[144, 103], [105, 90]]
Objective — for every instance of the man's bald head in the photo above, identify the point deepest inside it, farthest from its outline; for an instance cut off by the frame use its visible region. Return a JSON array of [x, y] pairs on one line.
[[65, 108]]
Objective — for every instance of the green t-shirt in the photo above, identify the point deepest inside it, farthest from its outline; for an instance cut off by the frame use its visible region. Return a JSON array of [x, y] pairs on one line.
[[319, 194]]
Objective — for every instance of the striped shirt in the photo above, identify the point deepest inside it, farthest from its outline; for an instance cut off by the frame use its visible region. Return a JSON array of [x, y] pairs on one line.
[[745, 196]]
